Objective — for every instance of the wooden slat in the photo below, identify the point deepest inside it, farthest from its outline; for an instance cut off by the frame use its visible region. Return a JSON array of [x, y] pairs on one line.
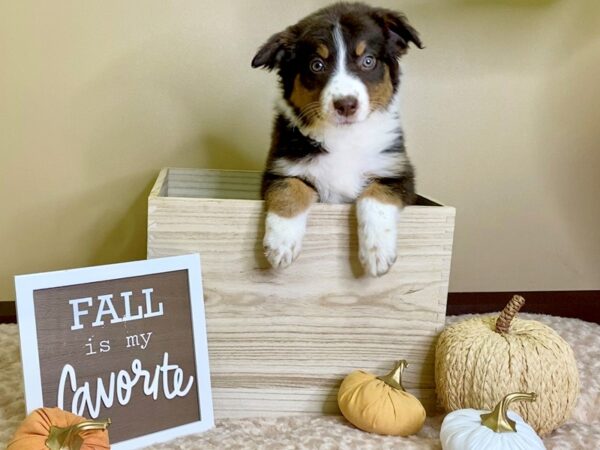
[[216, 184], [280, 342]]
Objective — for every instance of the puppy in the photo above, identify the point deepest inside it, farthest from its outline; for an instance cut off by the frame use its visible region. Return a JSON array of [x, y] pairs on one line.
[[337, 136]]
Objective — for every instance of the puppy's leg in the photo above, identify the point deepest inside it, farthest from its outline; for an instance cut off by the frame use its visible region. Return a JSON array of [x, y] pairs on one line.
[[377, 211], [288, 201]]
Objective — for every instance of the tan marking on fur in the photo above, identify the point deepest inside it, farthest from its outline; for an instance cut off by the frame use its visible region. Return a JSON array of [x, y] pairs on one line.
[[323, 51], [383, 194], [306, 100], [360, 48], [380, 94], [289, 197]]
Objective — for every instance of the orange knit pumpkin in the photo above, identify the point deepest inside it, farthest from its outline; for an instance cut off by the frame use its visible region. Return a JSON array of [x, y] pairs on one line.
[[80, 433]]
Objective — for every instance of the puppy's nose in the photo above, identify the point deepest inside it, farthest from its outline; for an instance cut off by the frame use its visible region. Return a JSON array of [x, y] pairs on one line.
[[346, 106]]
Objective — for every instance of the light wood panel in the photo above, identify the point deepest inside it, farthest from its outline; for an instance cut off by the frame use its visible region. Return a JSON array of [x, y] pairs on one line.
[[281, 341]]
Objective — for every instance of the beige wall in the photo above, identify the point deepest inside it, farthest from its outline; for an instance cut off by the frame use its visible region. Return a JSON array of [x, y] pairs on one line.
[[501, 113]]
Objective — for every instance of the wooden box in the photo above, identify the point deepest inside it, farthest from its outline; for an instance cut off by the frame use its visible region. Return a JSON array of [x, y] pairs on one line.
[[280, 342]]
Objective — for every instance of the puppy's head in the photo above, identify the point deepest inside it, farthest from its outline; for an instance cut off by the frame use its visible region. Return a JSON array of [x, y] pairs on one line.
[[340, 63]]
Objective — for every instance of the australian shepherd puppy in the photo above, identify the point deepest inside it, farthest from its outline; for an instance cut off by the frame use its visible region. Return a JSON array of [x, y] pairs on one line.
[[337, 136]]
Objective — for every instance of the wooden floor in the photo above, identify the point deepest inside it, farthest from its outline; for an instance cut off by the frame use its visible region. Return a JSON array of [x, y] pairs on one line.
[[584, 305]]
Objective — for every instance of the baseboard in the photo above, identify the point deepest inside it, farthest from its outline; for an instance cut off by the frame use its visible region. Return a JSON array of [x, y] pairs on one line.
[[8, 312], [584, 305]]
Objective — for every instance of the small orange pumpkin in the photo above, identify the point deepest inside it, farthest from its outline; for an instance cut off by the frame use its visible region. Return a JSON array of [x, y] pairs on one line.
[[56, 429]]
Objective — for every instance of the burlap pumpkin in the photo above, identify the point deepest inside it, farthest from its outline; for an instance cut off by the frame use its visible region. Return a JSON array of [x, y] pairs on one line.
[[480, 360], [56, 429]]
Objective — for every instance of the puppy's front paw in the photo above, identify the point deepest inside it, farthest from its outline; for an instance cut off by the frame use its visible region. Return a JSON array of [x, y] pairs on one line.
[[376, 235], [283, 239], [378, 259]]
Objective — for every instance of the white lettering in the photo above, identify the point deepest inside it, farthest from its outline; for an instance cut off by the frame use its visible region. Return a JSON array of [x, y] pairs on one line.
[[77, 313], [82, 396], [146, 339], [149, 313], [177, 380], [123, 384], [90, 346], [126, 301], [132, 341], [106, 307], [105, 346]]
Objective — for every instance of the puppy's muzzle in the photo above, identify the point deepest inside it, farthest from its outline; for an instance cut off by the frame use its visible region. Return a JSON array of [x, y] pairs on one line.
[[346, 106]]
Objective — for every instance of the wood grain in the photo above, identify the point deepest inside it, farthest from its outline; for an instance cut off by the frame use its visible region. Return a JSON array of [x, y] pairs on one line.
[[280, 342]]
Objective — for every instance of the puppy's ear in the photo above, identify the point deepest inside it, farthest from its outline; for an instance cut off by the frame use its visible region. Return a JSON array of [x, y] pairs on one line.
[[400, 32], [271, 53]]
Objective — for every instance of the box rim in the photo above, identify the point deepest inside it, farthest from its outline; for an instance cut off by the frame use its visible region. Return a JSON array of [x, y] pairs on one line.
[[162, 179]]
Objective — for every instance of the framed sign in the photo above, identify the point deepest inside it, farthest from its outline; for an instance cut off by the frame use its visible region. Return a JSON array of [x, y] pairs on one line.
[[123, 341]]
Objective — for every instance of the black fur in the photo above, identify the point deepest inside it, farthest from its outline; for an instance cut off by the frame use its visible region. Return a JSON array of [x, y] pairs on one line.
[[289, 143], [387, 34]]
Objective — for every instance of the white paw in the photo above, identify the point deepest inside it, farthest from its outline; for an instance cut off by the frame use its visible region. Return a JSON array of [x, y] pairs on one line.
[[376, 235], [283, 238]]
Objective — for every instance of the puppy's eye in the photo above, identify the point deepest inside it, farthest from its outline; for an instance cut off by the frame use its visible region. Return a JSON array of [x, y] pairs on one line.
[[368, 62], [317, 65]]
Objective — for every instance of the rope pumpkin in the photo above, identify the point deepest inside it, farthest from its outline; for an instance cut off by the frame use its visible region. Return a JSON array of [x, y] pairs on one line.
[[56, 429], [480, 360]]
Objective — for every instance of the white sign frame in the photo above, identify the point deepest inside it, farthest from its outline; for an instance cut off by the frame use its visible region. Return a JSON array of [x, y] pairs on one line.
[[27, 284]]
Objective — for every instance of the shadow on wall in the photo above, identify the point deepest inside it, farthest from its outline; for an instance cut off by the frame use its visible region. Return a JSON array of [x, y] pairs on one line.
[[125, 238], [479, 38], [223, 153], [569, 155], [161, 105], [567, 143], [146, 111]]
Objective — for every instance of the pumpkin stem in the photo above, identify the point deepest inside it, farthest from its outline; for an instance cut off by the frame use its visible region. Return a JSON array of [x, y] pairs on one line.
[[394, 378], [68, 438], [497, 420], [89, 425], [508, 314]]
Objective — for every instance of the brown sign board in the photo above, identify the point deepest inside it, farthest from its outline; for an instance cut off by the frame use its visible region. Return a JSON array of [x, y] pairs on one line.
[[125, 342]]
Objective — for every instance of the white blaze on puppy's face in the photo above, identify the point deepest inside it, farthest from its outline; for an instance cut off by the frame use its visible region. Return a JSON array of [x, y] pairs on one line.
[[343, 84]]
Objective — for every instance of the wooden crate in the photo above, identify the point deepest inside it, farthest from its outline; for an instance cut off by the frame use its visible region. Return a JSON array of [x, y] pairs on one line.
[[281, 341]]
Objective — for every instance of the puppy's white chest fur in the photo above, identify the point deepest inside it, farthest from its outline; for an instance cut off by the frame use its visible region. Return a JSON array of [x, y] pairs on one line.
[[354, 154]]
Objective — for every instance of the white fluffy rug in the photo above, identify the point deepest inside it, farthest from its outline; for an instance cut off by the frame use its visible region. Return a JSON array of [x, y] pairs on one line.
[[306, 432]]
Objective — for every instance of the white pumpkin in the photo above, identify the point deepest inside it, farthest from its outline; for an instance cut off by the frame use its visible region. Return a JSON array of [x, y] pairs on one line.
[[500, 429]]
